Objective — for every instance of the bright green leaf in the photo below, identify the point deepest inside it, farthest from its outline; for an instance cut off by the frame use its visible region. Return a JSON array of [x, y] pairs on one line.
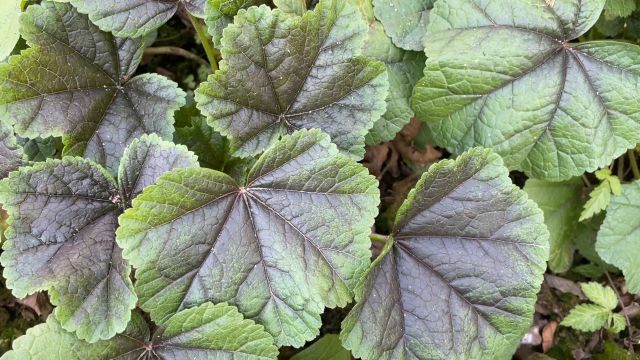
[[9, 23], [12, 155], [619, 8], [461, 270], [561, 203], [282, 72], [618, 240], [208, 332], [601, 295], [600, 197], [328, 347], [211, 147], [587, 317], [297, 7], [75, 82], [504, 74], [405, 22], [618, 323], [281, 248]]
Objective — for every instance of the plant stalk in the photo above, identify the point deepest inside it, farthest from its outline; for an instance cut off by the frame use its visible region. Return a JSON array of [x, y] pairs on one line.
[[206, 41], [626, 317], [378, 238], [634, 163]]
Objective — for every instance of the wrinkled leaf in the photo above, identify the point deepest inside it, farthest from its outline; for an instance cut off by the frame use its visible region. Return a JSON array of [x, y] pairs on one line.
[[39, 149], [504, 75], [587, 317], [206, 332], [404, 21], [211, 147], [74, 82], [326, 348], [9, 21], [62, 235], [11, 154], [561, 203], [460, 273], [134, 18], [282, 72], [600, 197], [618, 240], [220, 13], [297, 7], [293, 240], [601, 295]]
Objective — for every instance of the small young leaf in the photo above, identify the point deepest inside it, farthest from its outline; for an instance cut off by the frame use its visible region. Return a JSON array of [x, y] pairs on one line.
[[465, 241], [600, 197], [9, 23], [205, 332], [211, 147], [293, 240], [134, 18], [328, 347], [219, 14], [619, 8], [587, 317], [74, 82], [601, 295], [505, 74], [39, 149], [12, 155], [618, 323], [62, 234], [405, 22], [561, 203], [282, 72], [617, 241]]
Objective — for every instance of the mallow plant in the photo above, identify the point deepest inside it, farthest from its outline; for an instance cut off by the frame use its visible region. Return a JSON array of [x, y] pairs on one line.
[[223, 220]]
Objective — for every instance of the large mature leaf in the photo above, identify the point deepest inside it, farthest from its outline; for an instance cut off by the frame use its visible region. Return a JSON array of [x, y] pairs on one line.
[[135, 18], [282, 72], [561, 203], [618, 240], [293, 240], [405, 21], [62, 235], [12, 155], [9, 20], [74, 82], [460, 273], [206, 332], [504, 74]]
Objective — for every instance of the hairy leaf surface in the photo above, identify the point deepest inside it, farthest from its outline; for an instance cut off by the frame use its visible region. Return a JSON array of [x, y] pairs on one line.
[[75, 82], [618, 241], [12, 155], [135, 18], [504, 74], [207, 332], [293, 240], [281, 73], [404, 21], [62, 234], [460, 273], [561, 203]]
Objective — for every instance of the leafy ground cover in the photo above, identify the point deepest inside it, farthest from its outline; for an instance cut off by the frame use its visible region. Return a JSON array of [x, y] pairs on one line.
[[428, 179]]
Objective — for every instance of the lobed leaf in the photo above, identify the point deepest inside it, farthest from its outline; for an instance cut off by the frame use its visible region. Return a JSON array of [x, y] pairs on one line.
[[601, 295], [505, 75], [405, 22], [587, 317], [74, 82], [281, 73], [292, 240], [219, 14], [206, 332], [460, 273]]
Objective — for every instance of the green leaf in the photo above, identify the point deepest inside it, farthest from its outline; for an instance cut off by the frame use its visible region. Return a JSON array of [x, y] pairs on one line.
[[601, 295], [211, 147], [326, 348], [11, 154], [614, 351], [587, 317], [505, 75], [404, 69], [281, 248], [134, 18], [610, 26], [62, 239], [74, 82], [282, 72], [297, 7], [39, 149], [9, 22], [618, 323], [617, 241], [599, 199], [63, 218], [206, 332], [461, 270], [619, 8], [405, 22], [561, 203], [219, 14]]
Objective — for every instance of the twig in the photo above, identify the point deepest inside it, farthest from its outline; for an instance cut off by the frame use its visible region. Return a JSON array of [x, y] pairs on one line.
[[634, 163], [172, 50], [206, 41], [378, 238], [626, 317]]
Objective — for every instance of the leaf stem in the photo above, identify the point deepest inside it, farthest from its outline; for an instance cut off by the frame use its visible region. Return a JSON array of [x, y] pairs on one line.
[[634, 163], [173, 50], [206, 41], [378, 238], [622, 307]]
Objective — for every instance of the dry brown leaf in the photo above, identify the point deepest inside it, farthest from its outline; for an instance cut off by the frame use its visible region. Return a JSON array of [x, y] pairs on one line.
[[564, 285], [548, 335]]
